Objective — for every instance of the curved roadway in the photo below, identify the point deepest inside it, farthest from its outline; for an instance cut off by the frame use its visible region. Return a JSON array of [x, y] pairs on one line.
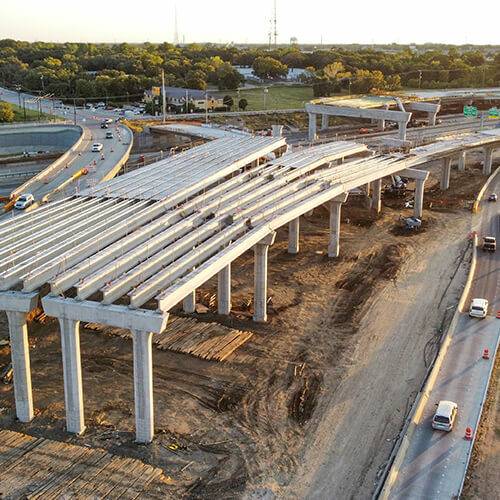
[[436, 462]]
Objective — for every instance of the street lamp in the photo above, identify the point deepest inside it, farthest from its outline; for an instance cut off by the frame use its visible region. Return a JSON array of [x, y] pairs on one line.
[[266, 91], [43, 86]]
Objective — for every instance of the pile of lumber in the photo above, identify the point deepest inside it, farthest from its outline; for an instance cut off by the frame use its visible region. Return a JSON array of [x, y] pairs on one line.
[[209, 341]]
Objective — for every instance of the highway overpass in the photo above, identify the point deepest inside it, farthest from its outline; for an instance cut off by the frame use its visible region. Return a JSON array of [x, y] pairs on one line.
[[125, 252]]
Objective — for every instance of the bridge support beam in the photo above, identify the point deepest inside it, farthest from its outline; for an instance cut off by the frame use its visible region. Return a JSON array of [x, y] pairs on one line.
[[431, 118], [293, 236], [72, 372], [402, 130], [462, 161], [189, 303], [335, 213], [324, 121], [224, 290], [488, 160], [312, 127], [376, 197], [143, 386], [445, 174], [261, 251], [20, 355]]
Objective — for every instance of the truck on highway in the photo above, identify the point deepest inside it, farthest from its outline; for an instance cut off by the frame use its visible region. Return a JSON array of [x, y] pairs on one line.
[[489, 244]]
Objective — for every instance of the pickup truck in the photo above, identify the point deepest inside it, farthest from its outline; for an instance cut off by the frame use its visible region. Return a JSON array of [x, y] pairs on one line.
[[489, 243]]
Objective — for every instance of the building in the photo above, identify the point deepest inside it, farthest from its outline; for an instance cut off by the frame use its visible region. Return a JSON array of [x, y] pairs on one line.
[[198, 100]]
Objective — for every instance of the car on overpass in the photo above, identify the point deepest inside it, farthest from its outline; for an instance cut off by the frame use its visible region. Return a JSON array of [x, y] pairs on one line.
[[493, 197], [478, 308], [97, 147], [489, 244], [445, 415]]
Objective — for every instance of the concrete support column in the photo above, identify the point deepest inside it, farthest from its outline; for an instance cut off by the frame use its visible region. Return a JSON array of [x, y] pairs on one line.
[[224, 290], [462, 161], [72, 370], [445, 174], [293, 236], [367, 189], [488, 160], [20, 355], [381, 125], [312, 126], [324, 121], [261, 251], [277, 130], [143, 386], [431, 117], [335, 212], [377, 195], [419, 198], [340, 161], [189, 303], [402, 130]]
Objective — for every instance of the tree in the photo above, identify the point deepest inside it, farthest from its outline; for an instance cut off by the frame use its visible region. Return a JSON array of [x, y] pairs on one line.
[[332, 70], [6, 112], [228, 101], [269, 68], [242, 104]]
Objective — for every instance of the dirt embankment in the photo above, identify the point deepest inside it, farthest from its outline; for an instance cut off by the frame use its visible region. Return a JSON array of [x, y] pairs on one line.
[[254, 423]]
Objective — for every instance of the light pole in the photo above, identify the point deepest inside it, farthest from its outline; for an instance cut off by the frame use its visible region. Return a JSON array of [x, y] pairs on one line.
[[266, 91], [419, 78], [206, 107], [43, 86]]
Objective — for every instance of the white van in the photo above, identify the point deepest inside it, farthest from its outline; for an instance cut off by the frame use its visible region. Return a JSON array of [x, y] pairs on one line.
[[478, 308], [445, 415]]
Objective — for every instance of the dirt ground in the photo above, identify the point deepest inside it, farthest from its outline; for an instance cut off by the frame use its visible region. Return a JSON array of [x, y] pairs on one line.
[[343, 354]]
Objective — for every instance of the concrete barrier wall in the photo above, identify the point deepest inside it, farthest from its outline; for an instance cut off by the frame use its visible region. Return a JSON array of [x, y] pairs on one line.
[[54, 167]]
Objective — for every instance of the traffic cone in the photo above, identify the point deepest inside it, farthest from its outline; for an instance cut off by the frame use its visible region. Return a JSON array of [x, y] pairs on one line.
[[486, 354], [468, 433], [498, 314]]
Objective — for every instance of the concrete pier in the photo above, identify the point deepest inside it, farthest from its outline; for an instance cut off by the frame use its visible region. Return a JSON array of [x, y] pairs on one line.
[[293, 236], [419, 198], [224, 290], [431, 118], [72, 371], [335, 213], [143, 386], [445, 174], [261, 251], [376, 197], [324, 121], [462, 161], [189, 303], [19, 346], [488, 160], [312, 127]]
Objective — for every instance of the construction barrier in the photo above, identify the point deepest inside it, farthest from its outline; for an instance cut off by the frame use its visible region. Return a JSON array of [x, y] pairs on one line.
[[468, 433], [486, 354]]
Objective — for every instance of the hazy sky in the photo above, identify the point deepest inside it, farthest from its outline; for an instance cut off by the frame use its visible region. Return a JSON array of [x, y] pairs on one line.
[[362, 21]]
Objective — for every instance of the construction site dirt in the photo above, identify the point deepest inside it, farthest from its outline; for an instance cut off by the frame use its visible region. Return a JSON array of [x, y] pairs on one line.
[[311, 405]]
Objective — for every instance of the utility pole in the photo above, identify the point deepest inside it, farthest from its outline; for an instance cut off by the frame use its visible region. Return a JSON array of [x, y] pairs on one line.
[[24, 107], [275, 22], [206, 107], [419, 78], [187, 101], [163, 96], [74, 110]]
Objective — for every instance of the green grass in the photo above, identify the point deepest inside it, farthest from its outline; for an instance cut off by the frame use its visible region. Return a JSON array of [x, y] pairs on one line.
[[31, 115], [278, 97]]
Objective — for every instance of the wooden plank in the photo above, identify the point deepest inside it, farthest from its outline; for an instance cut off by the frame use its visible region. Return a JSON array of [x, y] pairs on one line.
[[24, 445], [138, 488], [130, 475]]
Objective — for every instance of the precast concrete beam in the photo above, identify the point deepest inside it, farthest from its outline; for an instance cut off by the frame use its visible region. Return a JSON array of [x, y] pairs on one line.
[[488, 160], [293, 236], [445, 174], [376, 198], [189, 303], [20, 356], [224, 290], [261, 251], [72, 372], [352, 112], [335, 213], [462, 161], [143, 386]]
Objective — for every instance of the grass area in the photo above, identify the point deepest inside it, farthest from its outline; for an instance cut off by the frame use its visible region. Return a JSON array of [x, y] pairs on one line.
[[277, 97], [31, 115]]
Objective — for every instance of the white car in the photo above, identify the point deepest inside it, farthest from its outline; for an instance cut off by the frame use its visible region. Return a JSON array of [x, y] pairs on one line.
[[478, 308], [24, 201], [445, 415], [97, 147]]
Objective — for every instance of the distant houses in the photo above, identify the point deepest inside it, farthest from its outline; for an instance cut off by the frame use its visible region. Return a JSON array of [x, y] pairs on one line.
[[294, 74], [177, 97]]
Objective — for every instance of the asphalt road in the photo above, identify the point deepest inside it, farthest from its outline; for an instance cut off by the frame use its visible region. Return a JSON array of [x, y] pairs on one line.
[[99, 165], [436, 462]]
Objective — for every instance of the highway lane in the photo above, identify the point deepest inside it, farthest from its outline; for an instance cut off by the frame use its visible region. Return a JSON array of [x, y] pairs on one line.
[[436, 462]]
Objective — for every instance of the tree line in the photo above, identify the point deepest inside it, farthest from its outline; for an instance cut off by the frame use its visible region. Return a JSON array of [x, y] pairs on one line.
[[117, 72]]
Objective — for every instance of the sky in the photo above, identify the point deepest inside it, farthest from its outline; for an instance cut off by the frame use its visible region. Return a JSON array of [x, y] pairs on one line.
[[223, 21]]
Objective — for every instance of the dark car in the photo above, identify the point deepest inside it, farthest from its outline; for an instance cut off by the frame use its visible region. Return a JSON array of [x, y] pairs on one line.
[[104, 125], [492, 197]]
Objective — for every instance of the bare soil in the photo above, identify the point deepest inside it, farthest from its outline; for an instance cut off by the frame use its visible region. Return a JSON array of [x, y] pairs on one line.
[[342, 356]]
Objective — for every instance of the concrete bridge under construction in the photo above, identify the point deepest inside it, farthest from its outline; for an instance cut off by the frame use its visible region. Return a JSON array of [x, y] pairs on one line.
[[126, 251]]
